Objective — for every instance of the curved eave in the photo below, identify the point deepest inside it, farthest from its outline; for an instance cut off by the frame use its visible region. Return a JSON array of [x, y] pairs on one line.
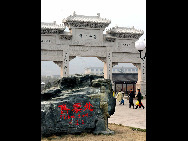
[[124, 32], [85, 19], [50, 26], [86, 24], [52, 30], [126, 35]]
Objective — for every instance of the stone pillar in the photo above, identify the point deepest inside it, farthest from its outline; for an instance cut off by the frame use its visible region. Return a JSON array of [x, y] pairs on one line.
[[108, 66], [61, 66], [113, 84], [64, 64], [141, 83]]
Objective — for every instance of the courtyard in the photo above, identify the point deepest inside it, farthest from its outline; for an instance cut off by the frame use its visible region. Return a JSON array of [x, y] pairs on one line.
[[129, 116]]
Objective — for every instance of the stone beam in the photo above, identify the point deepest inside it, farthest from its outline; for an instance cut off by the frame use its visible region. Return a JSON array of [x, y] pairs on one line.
[[124, 57], [85, 51], [48, 55]]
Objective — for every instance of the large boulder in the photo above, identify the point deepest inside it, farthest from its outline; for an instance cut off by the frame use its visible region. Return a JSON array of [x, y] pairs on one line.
[[74, 106]]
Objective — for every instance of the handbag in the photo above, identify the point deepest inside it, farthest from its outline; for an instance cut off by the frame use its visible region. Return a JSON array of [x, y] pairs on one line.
[[140, 104], [137, 103]]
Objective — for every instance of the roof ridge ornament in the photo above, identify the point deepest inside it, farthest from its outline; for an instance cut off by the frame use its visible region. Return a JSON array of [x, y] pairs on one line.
[[74, 13], [98, 14]]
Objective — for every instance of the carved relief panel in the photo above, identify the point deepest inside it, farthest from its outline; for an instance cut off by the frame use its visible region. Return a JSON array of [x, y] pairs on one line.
[[126, 46], [87, 37], [48, 42]]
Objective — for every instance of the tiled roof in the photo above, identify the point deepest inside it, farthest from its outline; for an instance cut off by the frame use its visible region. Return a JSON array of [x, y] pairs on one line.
[[125, 32], [52, 26], [82, 18], [86, 21]]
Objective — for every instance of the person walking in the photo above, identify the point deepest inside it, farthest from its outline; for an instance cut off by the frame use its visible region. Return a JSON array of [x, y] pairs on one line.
[[120, 97], [131, 96], [139, 96], [122, 92], [113, 93]]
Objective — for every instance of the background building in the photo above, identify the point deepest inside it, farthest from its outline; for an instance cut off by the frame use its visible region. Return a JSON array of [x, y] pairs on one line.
[[99, 70], [124, 82], [124, 78]]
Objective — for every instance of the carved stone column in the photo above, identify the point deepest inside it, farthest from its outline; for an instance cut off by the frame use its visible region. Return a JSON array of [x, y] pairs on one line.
[[141, 83], [113, 84], [108, 65], [64, 64]]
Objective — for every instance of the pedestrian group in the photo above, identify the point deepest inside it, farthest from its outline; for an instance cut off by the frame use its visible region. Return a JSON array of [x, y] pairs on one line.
[[131, 95]]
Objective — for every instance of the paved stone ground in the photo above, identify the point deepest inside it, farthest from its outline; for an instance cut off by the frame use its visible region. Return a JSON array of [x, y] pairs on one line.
[[129, 116]]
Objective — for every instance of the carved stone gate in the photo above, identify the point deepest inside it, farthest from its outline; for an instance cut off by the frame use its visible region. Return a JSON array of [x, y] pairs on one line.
[[86, 39]]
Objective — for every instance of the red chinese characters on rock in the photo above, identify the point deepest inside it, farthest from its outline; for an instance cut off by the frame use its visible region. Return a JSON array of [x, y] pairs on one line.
[[76, 108], [88, 107], [63, 108]]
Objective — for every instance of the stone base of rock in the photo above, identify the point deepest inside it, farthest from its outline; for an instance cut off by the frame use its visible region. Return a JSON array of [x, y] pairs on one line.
[[108, 132]]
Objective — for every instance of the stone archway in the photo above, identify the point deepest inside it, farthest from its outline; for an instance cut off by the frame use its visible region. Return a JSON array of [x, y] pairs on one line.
[[86, 39]]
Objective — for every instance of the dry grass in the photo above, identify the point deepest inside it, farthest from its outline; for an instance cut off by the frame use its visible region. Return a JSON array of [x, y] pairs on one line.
[[122, 133]]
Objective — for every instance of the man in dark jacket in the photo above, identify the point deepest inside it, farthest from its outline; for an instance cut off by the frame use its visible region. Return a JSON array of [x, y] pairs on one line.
[[131, 96], [139, 96]]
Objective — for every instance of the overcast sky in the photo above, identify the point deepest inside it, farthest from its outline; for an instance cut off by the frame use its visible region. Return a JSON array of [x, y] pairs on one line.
[[123, 13]]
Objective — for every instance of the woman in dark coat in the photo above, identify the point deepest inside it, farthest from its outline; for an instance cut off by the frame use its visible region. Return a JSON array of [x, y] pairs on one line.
[[131, 96], [139, 96]]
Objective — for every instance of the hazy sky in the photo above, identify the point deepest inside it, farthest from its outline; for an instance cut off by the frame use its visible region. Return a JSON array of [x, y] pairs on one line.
[[123, 13]]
